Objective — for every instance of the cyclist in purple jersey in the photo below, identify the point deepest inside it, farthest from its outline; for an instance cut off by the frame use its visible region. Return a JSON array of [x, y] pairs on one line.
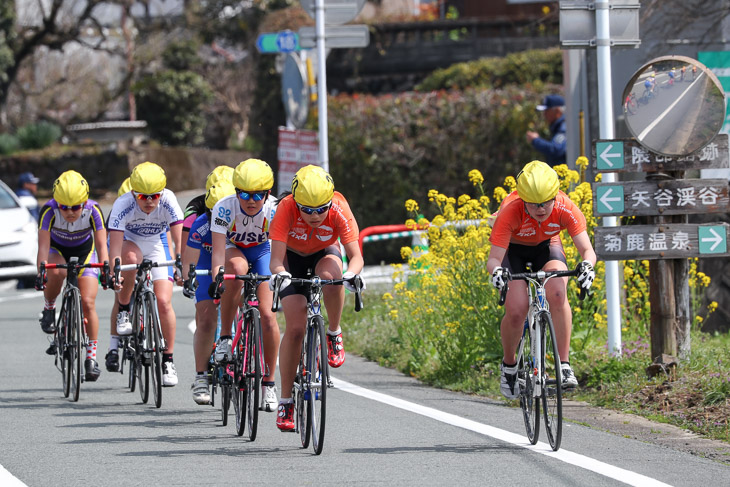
[[72, 225]]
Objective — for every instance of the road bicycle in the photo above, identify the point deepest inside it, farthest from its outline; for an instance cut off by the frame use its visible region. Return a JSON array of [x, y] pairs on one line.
[[312, 377], [70, 339], [219, 374], [248, 364], [538, 360], [144, 347]]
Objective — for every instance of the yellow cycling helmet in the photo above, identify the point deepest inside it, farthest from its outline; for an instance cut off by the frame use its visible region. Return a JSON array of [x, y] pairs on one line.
[[253, 175], [126, 187], [217, 192], [148, 178], [312, 186], [220, 172], [537, 182], [70, 189]]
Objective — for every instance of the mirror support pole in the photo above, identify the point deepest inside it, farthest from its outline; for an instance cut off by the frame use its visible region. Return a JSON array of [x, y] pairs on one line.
[[606, 126]]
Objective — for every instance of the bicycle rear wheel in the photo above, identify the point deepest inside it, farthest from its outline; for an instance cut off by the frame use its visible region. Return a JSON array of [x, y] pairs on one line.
[[317, 384], [301, 394], [252, 369], [529, 404], [127, 345], [154, 344], [226, 393], [75, 344], [552, 394]]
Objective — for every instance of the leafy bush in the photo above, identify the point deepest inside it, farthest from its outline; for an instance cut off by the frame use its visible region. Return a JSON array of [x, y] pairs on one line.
[[386, 149], [532, 67], [38, 135], [8, 144], [172, 104]]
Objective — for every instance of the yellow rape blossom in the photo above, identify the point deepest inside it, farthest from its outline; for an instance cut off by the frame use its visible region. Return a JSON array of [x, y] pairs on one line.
[[475, 177]]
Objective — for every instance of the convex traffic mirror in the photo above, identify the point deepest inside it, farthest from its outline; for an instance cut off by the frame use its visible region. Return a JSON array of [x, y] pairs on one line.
[[674, 105]]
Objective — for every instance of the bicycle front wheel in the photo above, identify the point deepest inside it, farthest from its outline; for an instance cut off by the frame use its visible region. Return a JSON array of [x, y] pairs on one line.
[[317, 374], [75, 343], [62, 332], [300, 392], [141, 367], [529, 404], [154, 344], [552, 394], [252, 370]]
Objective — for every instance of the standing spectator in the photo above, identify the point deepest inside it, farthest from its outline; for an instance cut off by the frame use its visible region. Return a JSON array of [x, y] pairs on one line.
[[554, 149], [26, 191]]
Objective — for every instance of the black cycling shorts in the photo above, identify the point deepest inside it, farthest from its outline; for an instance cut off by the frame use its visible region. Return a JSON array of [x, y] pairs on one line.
[[303, 266], [518, 256]]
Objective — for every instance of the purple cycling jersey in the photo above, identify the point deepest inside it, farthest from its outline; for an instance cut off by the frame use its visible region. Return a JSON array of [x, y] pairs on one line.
[[71, 234]]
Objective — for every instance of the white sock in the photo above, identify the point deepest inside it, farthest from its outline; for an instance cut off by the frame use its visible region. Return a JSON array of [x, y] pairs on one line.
[[113, 342], [287, 400], [336, 332]]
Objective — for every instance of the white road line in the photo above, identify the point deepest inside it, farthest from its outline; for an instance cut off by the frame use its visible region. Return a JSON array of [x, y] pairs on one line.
[[23, 295], [616, 473], [6, 478], [651, 126]]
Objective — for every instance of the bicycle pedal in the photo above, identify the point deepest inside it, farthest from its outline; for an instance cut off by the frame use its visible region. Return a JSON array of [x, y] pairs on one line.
[[330, 384]]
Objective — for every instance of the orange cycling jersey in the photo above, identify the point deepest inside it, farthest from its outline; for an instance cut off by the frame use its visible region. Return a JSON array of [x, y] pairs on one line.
[[289, 227], [515, 225]]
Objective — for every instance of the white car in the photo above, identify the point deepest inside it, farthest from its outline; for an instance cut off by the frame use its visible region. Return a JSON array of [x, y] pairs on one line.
[[18, 237]]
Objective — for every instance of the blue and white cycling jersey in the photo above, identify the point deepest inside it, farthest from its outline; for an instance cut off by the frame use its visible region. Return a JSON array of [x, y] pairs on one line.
[[139, 226]]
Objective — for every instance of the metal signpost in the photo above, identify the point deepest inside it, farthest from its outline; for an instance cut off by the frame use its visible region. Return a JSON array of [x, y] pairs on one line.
[[345, 11]]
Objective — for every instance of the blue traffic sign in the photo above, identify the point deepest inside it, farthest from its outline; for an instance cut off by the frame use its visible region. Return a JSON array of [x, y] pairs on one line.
[[275, 42]]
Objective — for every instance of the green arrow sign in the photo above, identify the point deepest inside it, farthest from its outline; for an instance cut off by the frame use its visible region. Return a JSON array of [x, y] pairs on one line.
[[713, 240], [609, 199], [610, 155]]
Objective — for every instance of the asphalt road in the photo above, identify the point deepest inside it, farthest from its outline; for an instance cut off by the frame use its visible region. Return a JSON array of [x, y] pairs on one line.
[[383, 428]]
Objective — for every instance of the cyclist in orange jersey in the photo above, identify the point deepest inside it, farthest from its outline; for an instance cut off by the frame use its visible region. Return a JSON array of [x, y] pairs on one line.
[[303, 236], [527, 229]]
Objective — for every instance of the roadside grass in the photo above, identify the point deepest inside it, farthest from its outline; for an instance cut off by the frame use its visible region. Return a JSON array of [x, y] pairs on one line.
[[696, 398]]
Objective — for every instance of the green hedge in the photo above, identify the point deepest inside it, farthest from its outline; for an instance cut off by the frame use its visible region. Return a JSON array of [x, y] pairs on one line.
[[520, 68], [386, 149]]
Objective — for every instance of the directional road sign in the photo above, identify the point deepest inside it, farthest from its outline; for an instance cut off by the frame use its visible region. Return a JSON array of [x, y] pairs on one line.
[[609, 200], [335, 11], [338, 36], [662, 197], [670, 241], [627, 155], [713, 240], [578, 23], [609, 155], [274, 42]]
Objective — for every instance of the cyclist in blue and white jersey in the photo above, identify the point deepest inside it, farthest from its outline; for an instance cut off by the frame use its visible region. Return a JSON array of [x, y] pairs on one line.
[[198, 251], [138, 226], [240, 227]]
